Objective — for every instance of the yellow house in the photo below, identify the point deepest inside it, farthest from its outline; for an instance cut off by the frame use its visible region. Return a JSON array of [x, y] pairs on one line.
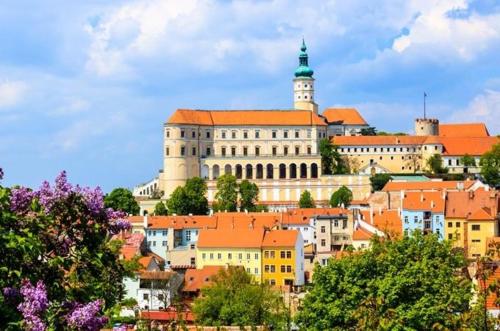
[[239, 247], [283, 258], [471, 218]]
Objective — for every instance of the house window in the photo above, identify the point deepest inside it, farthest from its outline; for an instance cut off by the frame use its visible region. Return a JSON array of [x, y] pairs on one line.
[[193, 151], [208, 151], [256, 271], [233, 151], [323, 229], [183, 150], [164, 243], [248, 270], [219, 256], [257, 151], [406, 219], [283, 268], [145, 296], [336, 223], [271, 254], [245, 151], [229, 256], [240, 256], [288, 254], [297, 133], [457, 224], [188, 235], [203, 256], [476, 240], [211, 256], [274, 134], [164, 232], [248, 256], [272, 282], [274, 151], [193, 261], [160, 297], [476, 227], [167, 133], [266, 254], [273, 268], [282, 254], [193, 134], [323, 242], [256, 256], [309, 133], [207, 134], [182, 133], [223, 151], [285, 150], [192, 246], [266, 268], [308, 150], [450, 236], [415, 219], [450, 224], [288, 268]]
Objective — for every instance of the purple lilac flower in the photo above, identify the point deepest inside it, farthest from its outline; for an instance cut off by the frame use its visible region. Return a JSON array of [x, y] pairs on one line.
[[115, 214], [120, 328], [93, 199], [86, 317], [119, 225], [10, 292], [34, 303], [20, 199]]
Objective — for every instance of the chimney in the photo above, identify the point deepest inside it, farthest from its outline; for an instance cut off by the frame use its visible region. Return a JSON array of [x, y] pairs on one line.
[[432, 203], [421, 196], [371, 214], [380, 210], [460, 186], [471, 195], [399, 211], [145, 221], [444, 194]]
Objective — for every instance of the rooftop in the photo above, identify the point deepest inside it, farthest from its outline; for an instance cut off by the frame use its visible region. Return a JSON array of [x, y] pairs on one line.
[[345, 116], [427, 185], [424, 201], [280, 238], [470, 205], [463, 130], [195, 279]]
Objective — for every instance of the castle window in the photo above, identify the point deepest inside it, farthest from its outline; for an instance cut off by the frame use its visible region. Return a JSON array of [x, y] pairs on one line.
[[435, 148], [167, 133], [274, 150], [167, 151], [207, 134], [223, 151], [308, 150], [305, 85], [223, 134], [233, 134], [193, 134], [193, 151], [274, 134], [257, 134], [245, 134], [182, 133], [285, 134], [233, 151], [285, 150], [392, 157], [297, 133], [245, 151], [305, 96], [257, 151], [449, 162], [297, 150], [298, 97], [183, 150], [208, 151]]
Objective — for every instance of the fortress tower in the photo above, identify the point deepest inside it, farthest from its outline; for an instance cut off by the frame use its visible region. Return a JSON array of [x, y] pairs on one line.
[[303, 84], [427, 127]]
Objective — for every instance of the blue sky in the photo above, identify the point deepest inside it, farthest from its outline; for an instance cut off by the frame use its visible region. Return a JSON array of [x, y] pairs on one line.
[[86, 86]]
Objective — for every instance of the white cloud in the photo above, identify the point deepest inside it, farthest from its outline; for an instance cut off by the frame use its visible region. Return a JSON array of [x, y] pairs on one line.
[[484, 108], [11, 93]]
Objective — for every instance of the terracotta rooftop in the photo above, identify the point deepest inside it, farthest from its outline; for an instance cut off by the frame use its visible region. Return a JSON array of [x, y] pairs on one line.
[[427, 185], [229, 238], [475, 146], [463, 130], [302, 215], [424, 201], [162, 275], [345, 116], [246, 117], [280, 238], [195, 279], [361, 234], [385, 220], [181, 222], [380, 140], [247, 220], [470, 205]]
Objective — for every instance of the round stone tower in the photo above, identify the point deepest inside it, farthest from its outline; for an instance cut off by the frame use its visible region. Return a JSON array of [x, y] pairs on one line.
[[427, 127]]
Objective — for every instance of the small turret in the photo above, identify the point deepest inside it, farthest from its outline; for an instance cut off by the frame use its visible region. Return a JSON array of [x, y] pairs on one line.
[[427, 127], [303, 83]]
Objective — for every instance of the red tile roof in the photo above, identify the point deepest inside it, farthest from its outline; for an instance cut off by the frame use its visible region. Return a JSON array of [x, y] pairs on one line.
[[187, 316], [195, 279], [302, 215], [181, 222], [280, 238], [385, 220], [247, 220], [346, 116], [463, 130], [475, 146], [229, 238], [431, 201], [467, 205], [426, 186], [246, 117], [361, 234]]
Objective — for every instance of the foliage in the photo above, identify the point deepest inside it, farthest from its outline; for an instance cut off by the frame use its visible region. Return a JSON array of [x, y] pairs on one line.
[[370, 131], [416, 283], [490, 166], [468, 161], [61, 239], [160, 209], [378, 181], [435, 164], [343, 196], [249, 194], [331, 161], [383, 133], [235, 299], [261, 208], [123, 200], [227, 193], [306, 200], [189, 199], [350, 164]]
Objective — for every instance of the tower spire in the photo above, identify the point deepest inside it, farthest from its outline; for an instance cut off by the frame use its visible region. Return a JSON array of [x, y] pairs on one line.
[[303, 83]]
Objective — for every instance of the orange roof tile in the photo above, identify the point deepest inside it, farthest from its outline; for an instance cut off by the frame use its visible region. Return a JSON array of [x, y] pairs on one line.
[[226, 238], [385, 220], [494, 277], [361, 234], [247, 220], [346, 116], [468, 145], [463, 130], [465, 204], [280, 238], [156, 274], [426, 186], [181, 222], [246, 117], [302, 215], [195, 279], [145, 261], [433, 201]]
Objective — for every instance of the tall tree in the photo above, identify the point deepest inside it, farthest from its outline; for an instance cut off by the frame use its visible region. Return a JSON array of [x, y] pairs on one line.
[[227, 193], [331, 161], [249, 195], [189, 199], [343, 196], [490, 166], [306, 200], [435, 164], [122, 199], [416, 283], [177, 202], [234, 298], [160, 209]]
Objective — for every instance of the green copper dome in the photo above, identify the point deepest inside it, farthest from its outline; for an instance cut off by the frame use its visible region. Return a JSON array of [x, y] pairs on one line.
[[303, 70]]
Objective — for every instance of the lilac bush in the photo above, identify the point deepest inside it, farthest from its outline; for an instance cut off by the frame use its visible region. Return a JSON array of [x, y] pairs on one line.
[[20, 199], [86, 317], [34, 304]]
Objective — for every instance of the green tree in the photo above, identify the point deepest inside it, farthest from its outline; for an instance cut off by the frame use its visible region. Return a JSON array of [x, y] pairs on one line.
[[331, 161], [490, 166], [435, 164], [306, 200], [343, 196], [468, 161], [160, 209], [378, 181], [189, 199], [234, 298], [370, 131], [227, 193], [123, 200], [416, 283], [249, 194]]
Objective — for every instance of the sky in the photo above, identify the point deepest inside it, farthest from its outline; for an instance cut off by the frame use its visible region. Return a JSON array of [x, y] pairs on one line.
[[85, 86]]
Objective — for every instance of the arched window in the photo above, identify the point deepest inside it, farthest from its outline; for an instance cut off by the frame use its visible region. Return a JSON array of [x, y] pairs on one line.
[[293, 170], [260, 171], [269, 171], [204, 171], [228, 170], [239, 171], [249, 171], [215, 172], [314, 170], [282, 171], [303, 170]]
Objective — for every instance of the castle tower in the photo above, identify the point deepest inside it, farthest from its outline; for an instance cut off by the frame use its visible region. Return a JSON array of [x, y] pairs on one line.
[[303, 84], [427, 127]]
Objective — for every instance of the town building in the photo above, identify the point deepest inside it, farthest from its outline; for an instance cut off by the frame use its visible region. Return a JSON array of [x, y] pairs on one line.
[[196, 279], [424, 211], [283, 258], [333, 233], [344, 122]]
